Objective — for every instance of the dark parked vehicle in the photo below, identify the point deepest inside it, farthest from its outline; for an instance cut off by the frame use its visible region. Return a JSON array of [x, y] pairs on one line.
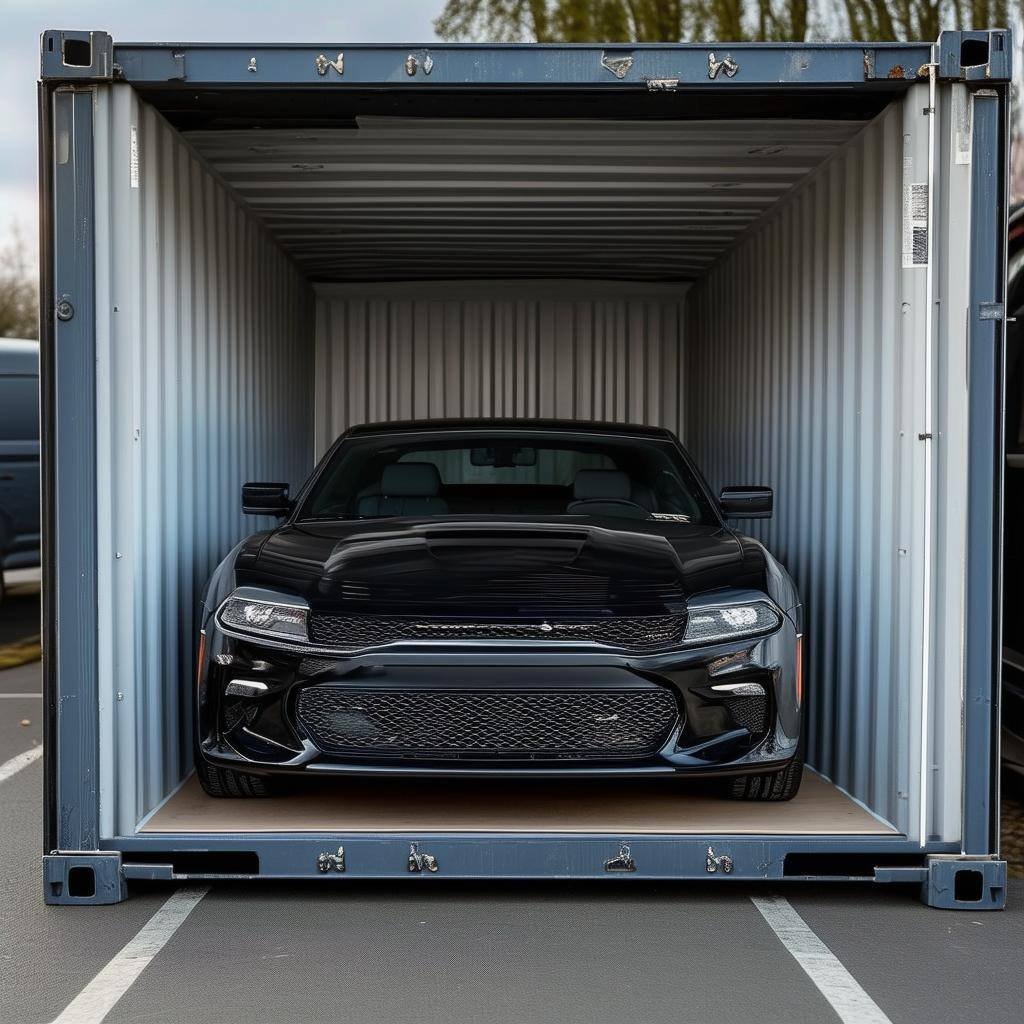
[[19, 455], [1013, 515], [485, 598]]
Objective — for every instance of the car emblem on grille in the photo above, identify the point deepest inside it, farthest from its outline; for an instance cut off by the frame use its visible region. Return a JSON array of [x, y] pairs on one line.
[[546, 627]]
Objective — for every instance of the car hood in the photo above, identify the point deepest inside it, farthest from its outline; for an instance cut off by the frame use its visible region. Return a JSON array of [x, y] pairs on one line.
[[461, 565]]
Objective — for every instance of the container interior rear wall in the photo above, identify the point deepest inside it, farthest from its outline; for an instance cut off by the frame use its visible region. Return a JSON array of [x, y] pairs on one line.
[[794, 357]]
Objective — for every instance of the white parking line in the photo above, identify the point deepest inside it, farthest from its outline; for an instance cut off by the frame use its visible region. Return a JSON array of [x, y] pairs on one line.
[[852, 1004], [19, 761], [99, 997]]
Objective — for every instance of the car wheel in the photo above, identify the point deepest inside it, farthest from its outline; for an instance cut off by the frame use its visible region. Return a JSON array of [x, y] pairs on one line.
[[780, 785], [226, 782]]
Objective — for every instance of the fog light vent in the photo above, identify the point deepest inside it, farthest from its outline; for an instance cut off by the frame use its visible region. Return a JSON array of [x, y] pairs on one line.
[[245, 688]]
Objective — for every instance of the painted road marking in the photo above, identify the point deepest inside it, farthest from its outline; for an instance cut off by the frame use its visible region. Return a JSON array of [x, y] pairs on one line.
[[99, 997], [852, 1004], [19, 761]]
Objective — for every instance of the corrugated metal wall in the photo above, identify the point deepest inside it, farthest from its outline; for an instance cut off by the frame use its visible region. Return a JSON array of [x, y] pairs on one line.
[[806, 371], [599, 351], [204, 380]]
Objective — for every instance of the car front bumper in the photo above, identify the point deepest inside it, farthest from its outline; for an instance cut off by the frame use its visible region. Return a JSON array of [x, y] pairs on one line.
[[263, 734]]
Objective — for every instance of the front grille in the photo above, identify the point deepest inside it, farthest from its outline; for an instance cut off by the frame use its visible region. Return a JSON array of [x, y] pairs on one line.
[[487, 725], [633, 632]]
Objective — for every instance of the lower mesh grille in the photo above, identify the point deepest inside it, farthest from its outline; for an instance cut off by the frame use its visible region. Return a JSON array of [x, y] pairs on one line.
[[584, 724], [749, 712], [628, 632]]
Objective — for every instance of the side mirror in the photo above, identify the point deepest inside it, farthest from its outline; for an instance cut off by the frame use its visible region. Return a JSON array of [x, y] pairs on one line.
[[266, 499], [746, 502]]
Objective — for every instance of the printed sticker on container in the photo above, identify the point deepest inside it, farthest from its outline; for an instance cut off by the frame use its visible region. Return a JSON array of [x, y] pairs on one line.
[[915, 224], [133, 157]]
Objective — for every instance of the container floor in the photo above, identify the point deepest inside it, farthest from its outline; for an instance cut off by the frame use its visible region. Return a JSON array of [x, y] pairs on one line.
[[401, 805]]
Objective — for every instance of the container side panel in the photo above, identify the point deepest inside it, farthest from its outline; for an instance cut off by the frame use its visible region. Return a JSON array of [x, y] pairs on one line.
[[205, 365], [580, 351], [797, 357]]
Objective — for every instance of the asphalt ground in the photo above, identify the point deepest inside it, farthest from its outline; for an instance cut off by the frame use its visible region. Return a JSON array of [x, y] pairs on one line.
[[588, 953]]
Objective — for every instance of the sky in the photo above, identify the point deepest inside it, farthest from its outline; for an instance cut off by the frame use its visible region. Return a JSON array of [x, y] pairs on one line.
[[308, 21]]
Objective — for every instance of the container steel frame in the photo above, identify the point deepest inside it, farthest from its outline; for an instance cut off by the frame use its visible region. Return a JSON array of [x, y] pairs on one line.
[[80, 867]]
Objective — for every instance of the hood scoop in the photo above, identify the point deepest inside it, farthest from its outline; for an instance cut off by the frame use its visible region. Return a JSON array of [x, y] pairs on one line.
[[524, 571], [468, 550]]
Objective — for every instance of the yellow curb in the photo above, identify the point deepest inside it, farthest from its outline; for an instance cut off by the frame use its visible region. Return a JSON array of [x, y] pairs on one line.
[[20, 653]]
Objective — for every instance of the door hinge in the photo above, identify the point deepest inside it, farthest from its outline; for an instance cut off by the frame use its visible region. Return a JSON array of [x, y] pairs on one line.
[[623, 861], [331, 861], [420, 862], [716, 862]]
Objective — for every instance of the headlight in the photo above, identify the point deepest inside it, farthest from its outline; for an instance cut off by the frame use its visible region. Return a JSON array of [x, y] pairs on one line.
[[731, 622], [262, 617]]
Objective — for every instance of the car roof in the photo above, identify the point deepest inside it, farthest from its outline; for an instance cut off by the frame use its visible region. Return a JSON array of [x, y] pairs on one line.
[[19, 357], [485, 424]]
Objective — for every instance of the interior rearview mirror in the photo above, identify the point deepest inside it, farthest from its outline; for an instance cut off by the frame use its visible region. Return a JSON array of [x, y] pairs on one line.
[[503, 456], [746, 502], [261, 499]]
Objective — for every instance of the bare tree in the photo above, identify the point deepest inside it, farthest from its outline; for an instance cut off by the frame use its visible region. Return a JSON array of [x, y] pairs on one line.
[[19, 289], [642, 21], [581, 21]]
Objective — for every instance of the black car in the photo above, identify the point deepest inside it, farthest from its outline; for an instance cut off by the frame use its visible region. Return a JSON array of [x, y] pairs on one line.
[[501, 598], [1013, 510]]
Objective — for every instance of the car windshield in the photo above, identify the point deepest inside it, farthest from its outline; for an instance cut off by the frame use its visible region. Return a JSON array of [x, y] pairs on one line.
[[507, 474]]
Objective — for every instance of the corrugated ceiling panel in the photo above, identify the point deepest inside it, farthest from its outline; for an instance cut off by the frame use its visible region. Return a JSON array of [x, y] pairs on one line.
[[204, 380], [404, 199], [525, 350]]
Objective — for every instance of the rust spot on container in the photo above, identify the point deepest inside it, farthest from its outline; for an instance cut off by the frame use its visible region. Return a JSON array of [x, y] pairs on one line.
[[896, 71]]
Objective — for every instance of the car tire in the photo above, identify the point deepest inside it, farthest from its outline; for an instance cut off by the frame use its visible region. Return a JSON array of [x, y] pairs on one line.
[[774, 786], [227, 783]]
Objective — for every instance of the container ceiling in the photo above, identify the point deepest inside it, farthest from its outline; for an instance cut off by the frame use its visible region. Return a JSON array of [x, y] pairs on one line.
[[418, 199]]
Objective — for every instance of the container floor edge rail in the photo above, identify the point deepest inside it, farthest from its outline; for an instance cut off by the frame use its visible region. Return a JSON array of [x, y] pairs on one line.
[[946, 880]]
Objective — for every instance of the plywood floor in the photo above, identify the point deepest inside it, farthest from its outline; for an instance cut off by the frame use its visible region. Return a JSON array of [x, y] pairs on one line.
[[633, 806]]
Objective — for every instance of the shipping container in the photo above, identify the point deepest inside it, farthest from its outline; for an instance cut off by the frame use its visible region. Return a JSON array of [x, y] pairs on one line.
[[790, 254]]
